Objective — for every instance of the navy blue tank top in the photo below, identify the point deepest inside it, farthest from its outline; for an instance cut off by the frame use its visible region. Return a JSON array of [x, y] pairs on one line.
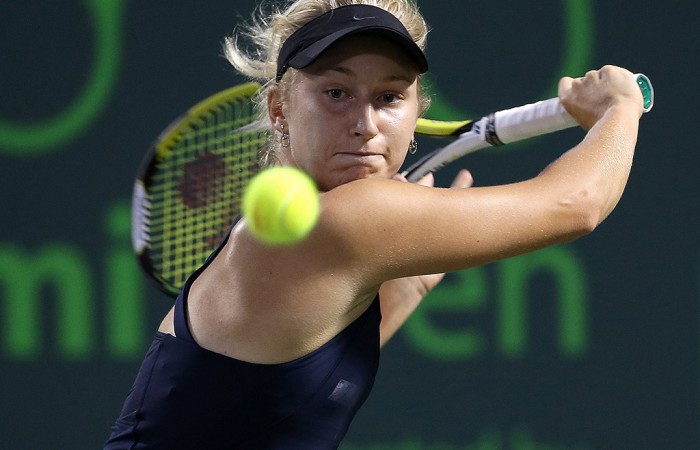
[[187, 397]]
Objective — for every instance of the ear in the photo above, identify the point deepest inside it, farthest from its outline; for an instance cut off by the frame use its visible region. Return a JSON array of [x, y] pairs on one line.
[[275, 110]]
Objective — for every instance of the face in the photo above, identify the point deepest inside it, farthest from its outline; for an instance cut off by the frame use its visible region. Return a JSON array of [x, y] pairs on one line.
[[351, 115]]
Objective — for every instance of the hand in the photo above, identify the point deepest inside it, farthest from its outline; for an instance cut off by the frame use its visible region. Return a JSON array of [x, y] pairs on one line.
[[588, 98]]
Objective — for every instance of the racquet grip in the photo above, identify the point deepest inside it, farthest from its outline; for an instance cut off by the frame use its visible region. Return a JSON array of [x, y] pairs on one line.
[[522, 122], [548, 116]]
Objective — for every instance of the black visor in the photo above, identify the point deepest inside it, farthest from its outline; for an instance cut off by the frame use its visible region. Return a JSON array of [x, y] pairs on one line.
[[306, 44]]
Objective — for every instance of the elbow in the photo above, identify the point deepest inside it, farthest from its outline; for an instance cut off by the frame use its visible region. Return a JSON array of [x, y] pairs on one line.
[[584, 213], [586, 222]]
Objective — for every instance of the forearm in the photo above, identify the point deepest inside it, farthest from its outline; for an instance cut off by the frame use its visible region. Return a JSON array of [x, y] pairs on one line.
[[593, 174], [399, 298]]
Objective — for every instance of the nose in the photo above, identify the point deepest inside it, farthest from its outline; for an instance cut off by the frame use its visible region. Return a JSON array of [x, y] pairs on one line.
[[365, 123]]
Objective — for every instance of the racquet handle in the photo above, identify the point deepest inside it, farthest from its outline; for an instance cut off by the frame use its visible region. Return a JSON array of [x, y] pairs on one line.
[[510, 125], [548, 116]]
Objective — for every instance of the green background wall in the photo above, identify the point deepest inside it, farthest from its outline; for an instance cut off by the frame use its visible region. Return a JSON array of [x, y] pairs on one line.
[[592, 345]]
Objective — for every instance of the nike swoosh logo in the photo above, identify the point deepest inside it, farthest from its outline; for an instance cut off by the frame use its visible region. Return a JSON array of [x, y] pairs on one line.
[[362, 18]]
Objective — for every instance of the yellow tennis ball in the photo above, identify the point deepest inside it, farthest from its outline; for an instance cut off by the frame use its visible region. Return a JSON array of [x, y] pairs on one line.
[[281, 205]]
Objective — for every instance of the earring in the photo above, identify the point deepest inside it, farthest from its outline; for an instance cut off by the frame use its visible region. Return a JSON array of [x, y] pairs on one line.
[[284, 139], [413, 147]]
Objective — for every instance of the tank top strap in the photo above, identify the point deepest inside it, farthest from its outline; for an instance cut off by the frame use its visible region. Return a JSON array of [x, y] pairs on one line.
[[182, 328]]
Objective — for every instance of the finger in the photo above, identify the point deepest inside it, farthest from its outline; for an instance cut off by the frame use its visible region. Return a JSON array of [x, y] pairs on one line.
[[463, 179], [427, 180], [565, 85], [399, 177]]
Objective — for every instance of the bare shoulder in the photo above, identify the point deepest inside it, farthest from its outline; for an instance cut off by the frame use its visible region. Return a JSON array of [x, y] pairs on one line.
[[271, 304], [389, 229]]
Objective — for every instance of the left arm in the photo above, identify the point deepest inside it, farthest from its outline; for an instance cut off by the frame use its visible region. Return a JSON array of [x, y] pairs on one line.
[[400, 297]]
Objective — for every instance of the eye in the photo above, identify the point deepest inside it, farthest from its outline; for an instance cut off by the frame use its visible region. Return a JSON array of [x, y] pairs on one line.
[[335, 93], [390, 97]]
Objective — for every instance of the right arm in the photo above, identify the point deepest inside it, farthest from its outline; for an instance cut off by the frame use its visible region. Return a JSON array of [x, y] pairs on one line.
[[389, 230], [604, 158]]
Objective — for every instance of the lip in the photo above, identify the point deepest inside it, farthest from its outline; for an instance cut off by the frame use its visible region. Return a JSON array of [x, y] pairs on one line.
[[359, 154], [359, 158]]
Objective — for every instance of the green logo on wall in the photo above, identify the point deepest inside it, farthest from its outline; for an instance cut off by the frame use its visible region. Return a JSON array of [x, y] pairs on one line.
[[34, 139]]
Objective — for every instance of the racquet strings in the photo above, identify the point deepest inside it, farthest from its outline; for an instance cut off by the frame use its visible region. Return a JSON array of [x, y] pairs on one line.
[[196, 187]]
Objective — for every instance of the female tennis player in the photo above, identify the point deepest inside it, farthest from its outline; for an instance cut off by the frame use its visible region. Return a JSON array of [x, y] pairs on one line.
[[277, 347]]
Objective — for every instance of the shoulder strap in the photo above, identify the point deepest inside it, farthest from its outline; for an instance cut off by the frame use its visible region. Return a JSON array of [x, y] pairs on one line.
[[182, 328]]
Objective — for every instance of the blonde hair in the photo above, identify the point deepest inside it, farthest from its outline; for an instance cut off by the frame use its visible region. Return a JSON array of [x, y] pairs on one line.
[[253, 49]]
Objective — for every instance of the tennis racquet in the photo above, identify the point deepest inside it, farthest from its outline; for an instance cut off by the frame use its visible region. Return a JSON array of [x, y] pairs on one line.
[[188, 188]]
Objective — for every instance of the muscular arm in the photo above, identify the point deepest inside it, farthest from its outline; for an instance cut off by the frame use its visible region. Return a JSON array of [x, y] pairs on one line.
[[401, 230]]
